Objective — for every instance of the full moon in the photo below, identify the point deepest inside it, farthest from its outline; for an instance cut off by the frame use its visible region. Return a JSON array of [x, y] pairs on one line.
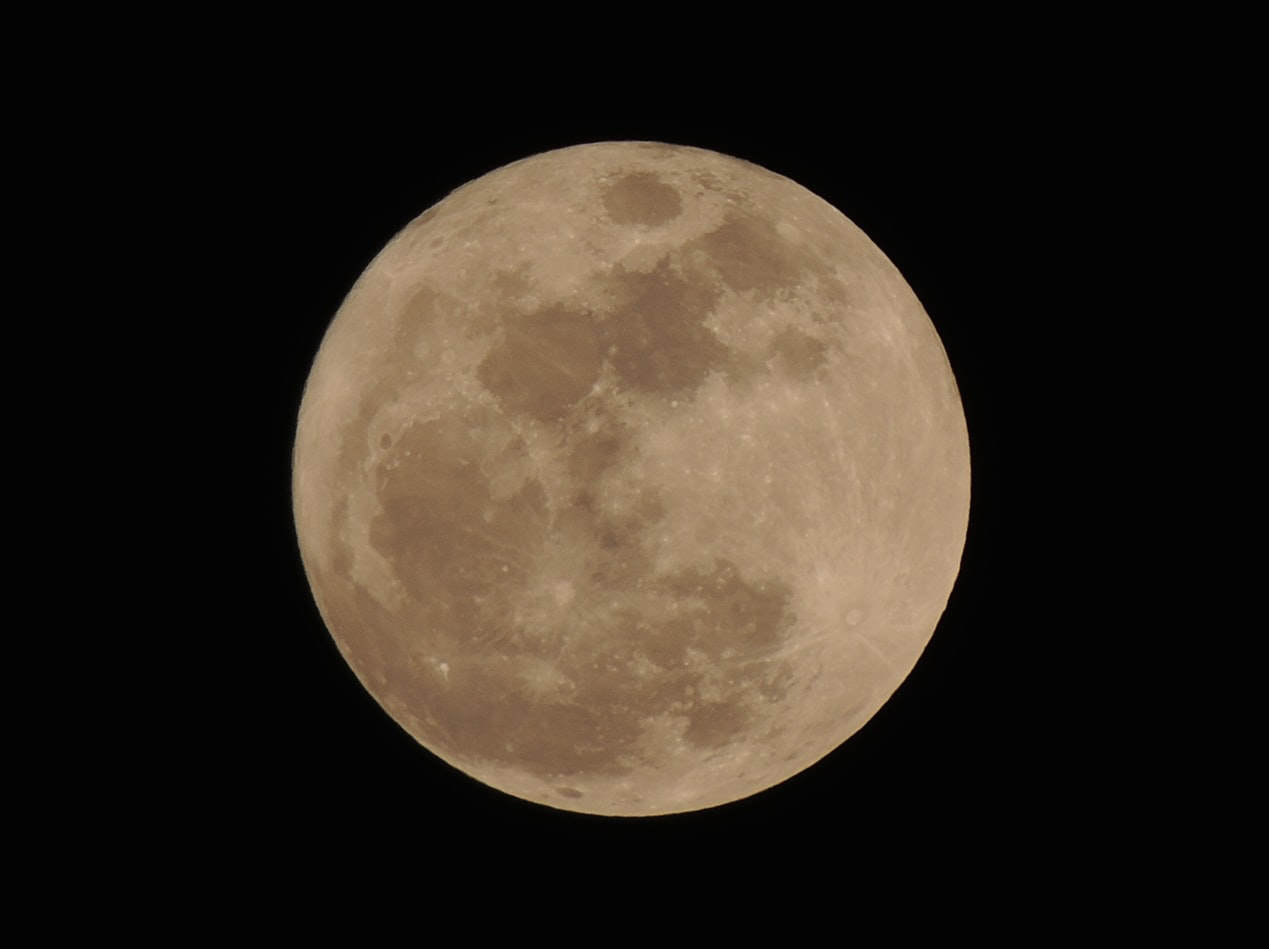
[[631, 479]]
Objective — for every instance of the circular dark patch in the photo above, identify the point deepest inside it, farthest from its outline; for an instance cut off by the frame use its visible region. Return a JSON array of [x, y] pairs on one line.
[[642, 198]]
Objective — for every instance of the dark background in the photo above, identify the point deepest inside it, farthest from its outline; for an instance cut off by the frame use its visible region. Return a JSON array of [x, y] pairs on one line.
[[1063, 196], [982, 757]]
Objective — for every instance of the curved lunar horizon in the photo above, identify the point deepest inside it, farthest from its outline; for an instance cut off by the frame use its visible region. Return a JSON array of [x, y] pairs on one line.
[[631, 479]]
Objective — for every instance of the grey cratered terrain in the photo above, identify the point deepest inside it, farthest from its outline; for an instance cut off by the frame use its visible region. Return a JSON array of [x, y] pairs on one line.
[[631, 479]]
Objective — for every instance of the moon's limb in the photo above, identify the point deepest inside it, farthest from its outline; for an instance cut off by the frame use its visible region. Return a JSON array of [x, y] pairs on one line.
[[631, 479]]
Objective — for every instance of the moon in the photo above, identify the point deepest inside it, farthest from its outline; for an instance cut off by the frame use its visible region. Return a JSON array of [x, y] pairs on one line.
[[631, 479]]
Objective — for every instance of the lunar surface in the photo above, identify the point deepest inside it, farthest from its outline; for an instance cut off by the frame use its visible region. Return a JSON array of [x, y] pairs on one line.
[[631, 479]]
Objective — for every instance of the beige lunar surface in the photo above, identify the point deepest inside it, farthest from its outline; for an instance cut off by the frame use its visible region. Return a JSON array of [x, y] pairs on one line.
[[631, 479]]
